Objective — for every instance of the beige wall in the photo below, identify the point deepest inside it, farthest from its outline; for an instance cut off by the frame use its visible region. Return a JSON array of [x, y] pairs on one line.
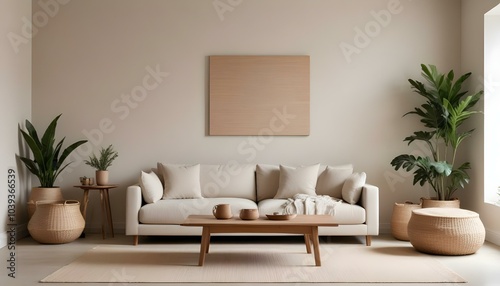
[[90, 58], [473, 60], [15, 107]]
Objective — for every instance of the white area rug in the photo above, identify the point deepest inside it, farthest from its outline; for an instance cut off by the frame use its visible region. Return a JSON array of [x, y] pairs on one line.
[[253, 263]]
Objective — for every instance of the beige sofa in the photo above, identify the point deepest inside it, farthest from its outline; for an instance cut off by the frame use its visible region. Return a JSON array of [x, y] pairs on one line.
[[169, 193]]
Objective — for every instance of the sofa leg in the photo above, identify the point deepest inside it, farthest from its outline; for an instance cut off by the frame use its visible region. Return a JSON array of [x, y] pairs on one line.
[[368, 240], [136, 239]]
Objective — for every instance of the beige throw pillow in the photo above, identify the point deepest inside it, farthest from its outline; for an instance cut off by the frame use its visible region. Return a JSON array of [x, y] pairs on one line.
[[267, 181], [181, 182], [300, 180], [351, 191], [331, 180], [152, 189]]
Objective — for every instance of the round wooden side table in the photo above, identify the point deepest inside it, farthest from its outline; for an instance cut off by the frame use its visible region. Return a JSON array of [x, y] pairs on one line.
[[105, 206]]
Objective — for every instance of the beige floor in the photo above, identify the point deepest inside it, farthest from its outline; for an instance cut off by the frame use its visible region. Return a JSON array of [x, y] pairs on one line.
[[35, 261]]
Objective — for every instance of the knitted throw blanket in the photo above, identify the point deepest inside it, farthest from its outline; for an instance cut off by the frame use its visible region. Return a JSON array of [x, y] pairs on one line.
[[310, 205]]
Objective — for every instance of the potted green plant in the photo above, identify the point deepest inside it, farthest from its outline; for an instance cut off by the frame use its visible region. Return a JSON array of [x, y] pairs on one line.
[[101, 164], [47, 163], [446, 107]]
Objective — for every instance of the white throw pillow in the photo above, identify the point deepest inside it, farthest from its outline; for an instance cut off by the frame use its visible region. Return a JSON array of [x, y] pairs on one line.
[[300, 180], [152, 189], [331, 180], [181, 182], [351, 191]]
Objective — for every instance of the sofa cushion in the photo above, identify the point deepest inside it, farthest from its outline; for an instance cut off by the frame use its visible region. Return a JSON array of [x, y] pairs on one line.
[[181, 182], [267, 181], [176, 211], [297, 180], [344, 213], [158, 171], [331, 180], [152, 189], [351, 191], [229, 180]]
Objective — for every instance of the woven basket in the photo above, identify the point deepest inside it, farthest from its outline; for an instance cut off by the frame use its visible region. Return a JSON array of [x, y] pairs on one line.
[[401, 214], [56, 222], [446, 231], [434, 203], [43, 194]]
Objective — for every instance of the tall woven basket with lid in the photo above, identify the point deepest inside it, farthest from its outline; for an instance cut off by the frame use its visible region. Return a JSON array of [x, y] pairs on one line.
[[56, 222]]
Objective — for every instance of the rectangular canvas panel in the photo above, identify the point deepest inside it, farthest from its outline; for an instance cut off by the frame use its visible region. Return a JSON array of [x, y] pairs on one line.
[[259, 95]]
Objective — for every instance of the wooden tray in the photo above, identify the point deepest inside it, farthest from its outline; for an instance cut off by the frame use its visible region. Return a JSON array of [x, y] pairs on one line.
[[281, 217]]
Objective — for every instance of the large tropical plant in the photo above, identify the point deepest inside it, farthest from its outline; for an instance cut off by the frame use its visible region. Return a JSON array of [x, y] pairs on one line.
[[445, 109], [48, 157]]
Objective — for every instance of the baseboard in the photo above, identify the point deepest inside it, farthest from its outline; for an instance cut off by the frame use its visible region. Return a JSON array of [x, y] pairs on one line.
[[21, 231], [118, 228], [384, 228], [493, 236]]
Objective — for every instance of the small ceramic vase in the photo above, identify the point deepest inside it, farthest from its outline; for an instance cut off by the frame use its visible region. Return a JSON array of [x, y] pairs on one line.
[[249, 214], [222, 211]]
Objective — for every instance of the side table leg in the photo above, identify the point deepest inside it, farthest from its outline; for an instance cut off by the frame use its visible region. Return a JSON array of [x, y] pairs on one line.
[[85, 202], [108, 211], [103, 214]]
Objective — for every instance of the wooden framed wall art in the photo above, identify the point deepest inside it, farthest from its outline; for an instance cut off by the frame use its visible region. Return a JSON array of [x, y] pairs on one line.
[[259, 95]]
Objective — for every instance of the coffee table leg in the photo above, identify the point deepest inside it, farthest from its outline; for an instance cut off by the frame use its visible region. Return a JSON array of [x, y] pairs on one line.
[[307, 240], [205, 244], [315, 241]]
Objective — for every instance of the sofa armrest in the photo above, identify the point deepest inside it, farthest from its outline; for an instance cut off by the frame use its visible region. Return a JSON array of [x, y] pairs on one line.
[[132, 206], [370, 201]]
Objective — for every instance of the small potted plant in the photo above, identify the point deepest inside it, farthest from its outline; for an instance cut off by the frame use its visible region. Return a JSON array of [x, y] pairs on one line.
[[101, 164]]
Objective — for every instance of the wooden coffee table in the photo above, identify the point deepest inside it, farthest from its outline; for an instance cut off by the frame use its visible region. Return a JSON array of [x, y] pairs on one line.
[[302, 224]]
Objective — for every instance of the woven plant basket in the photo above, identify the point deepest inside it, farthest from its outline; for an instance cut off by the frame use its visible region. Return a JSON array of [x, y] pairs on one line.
[[56, 222], [401, 214], [43, 194], [433, 203], [446, 231]]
